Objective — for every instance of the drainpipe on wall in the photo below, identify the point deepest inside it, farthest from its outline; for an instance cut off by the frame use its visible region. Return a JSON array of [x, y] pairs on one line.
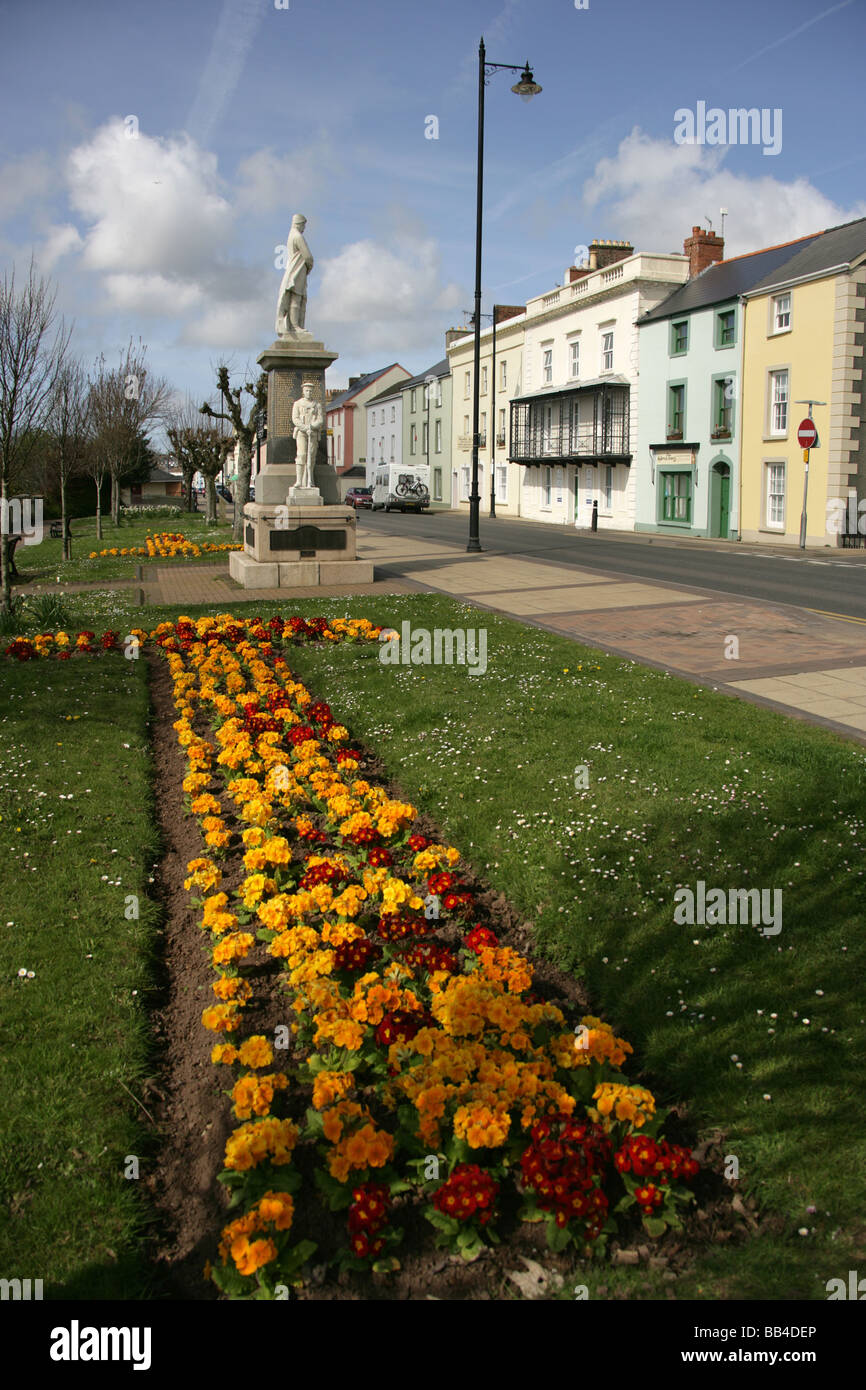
[[738, 404]]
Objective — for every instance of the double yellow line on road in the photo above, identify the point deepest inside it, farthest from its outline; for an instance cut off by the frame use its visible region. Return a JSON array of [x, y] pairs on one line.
[[840, 617]]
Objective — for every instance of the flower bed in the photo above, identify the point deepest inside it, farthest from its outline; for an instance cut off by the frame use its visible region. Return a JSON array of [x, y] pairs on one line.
[[421, 1073], [167, 545]]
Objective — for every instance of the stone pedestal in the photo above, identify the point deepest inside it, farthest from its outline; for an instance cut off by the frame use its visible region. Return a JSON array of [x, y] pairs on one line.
[[289, 362], [305, 497], [289, 546]]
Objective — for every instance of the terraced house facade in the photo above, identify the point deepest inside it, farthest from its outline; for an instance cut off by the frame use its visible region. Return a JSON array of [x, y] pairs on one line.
[[803, 340], [574, 424], [692, 393]]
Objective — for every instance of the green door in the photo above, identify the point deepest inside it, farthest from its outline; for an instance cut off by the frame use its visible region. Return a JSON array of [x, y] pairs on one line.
[[724, 505]]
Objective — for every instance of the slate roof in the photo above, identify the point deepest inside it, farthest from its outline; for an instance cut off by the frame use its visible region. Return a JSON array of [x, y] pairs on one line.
[[727, 279], [360, 385], [838, 246]]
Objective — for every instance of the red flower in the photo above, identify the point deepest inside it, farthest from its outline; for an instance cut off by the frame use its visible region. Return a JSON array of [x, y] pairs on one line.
[[478, 937]]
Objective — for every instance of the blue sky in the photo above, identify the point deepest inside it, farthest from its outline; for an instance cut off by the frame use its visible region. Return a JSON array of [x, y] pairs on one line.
[[247, 113]]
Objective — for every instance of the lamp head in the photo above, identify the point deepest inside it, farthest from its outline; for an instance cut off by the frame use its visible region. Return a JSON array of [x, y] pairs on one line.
[[527, 87]]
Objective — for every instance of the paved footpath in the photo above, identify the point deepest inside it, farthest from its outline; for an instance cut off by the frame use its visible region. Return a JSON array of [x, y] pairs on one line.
[[807, 664]]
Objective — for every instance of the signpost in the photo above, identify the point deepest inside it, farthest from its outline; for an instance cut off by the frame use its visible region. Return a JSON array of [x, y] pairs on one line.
[[807, 438]]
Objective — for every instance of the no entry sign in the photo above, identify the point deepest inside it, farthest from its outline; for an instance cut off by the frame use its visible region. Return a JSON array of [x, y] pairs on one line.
[[807, 435]]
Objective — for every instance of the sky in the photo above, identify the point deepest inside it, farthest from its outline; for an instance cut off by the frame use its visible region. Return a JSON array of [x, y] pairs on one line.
[[152, 156]]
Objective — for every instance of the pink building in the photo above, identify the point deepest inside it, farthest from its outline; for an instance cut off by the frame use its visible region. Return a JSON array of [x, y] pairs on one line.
[[346, 421]]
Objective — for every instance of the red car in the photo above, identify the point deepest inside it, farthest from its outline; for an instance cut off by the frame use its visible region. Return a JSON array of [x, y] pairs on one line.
[[359, 497]]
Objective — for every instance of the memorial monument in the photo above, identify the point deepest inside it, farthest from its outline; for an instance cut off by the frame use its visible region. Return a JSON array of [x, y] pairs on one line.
[[297, 532]]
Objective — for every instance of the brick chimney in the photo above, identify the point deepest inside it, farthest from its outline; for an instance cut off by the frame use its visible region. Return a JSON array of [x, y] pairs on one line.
[[452, 334], [601, 255], [508, 311], [703, 250], [605, 253]]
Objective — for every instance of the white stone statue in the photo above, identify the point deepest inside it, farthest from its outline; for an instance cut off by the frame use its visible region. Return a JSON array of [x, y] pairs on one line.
[[308, 419], [292, 300]]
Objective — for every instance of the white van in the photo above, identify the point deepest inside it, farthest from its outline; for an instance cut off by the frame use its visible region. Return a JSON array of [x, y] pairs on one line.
[[400, 489]]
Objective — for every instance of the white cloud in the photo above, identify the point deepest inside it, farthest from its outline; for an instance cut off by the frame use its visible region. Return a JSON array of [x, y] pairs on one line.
[[152, 204], [269, 181], [58, 241], [373, 297], [653, 192]]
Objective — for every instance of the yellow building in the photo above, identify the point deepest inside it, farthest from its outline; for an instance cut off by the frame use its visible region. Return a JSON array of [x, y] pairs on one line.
[[803, 340]]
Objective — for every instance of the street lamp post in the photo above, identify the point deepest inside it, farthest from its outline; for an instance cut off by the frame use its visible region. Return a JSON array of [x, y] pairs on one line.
[[526, 88]]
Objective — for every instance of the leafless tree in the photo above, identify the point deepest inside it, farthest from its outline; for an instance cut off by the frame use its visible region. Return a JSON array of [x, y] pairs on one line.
[[126, 400], [33, 347], [244, 432], [69, 428], [183, 423]]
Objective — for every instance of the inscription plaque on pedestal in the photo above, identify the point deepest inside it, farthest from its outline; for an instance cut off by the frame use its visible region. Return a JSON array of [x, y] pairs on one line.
[[308, 538]]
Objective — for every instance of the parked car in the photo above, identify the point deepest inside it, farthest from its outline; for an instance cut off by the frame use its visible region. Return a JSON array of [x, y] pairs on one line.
[[359, 497], [224, 492]]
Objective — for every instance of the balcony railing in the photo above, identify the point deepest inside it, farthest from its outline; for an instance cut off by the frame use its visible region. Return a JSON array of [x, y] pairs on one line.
[[542, 430]]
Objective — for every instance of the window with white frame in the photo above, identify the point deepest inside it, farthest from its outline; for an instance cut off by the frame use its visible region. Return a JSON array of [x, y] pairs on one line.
[[425, 437], [781, 313], [437, 436], [500, 429], [465, 479], [607, 351], [437, 484], [393, 413], [574, 358], [383, 416], [775, 496], [547, 365], [779, 402], [413, 400], [608, 487], [392, 448], [503, 375], [482, 428], [382, 450], [546, 485], [437, 391], [502, 484], [484, 381], [413, 438], [467, 376]]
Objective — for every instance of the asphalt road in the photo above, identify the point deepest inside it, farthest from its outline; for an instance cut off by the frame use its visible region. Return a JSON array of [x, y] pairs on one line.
[[830, 581]]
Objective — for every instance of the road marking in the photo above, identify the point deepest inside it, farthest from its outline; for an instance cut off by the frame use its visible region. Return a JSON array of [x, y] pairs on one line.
[[841, 617]]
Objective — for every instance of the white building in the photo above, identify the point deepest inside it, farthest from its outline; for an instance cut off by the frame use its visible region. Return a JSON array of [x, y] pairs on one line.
[[501, 367], [573, 426], [384, 429]]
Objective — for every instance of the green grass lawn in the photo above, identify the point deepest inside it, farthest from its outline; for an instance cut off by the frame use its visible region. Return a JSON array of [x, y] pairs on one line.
[[684, 784], [44, 563], [76, 839]]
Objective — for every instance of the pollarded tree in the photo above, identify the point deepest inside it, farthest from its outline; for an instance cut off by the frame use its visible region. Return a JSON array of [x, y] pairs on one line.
[[244, 431], [32, 352], [183, 423]]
